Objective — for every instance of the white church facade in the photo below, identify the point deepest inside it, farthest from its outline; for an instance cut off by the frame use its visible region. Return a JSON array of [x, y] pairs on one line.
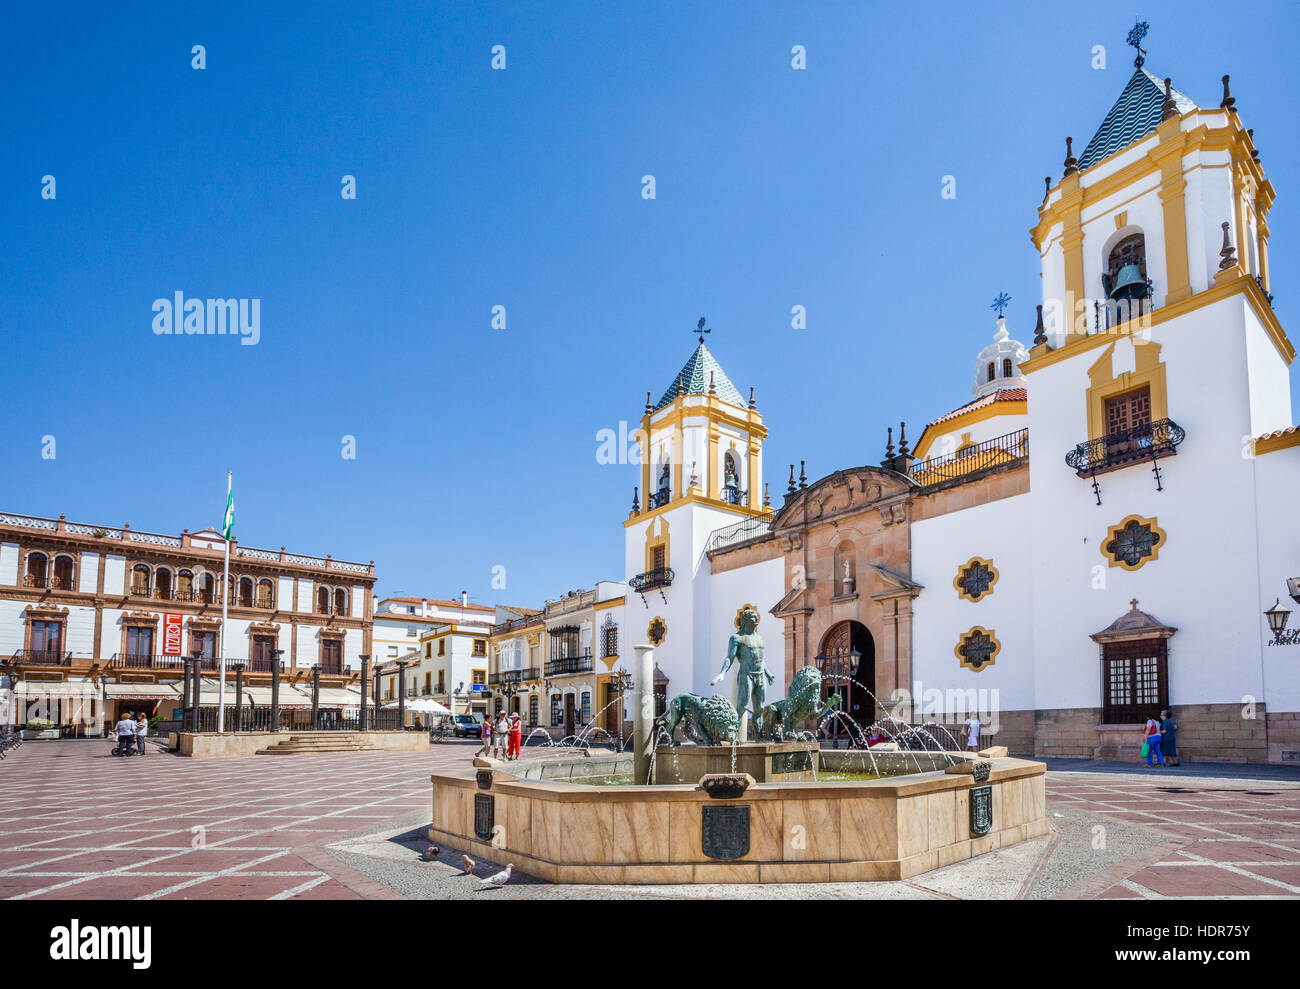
[[1122, 568]]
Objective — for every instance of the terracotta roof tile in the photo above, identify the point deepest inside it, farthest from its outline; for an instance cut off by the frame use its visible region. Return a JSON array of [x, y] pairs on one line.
[[1001, 395]]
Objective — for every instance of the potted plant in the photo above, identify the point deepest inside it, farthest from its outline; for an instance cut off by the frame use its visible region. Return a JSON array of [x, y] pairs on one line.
[[40, 728]]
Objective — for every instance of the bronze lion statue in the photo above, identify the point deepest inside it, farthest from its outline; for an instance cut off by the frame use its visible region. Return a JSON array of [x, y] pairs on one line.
[[704, 720], [802, 702]]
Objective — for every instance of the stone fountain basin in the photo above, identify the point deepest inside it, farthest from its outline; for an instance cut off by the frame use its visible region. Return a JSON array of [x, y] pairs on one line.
[[882, 829]]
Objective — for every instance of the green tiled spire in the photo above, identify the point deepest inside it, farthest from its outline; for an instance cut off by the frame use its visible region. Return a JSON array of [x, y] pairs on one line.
[[695, 378], [1134, 115]]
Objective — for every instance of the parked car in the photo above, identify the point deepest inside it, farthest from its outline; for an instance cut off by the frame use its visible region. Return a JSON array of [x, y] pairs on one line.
[[465, 725]]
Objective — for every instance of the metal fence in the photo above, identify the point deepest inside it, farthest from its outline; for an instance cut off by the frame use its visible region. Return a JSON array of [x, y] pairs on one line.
[[291, 720]]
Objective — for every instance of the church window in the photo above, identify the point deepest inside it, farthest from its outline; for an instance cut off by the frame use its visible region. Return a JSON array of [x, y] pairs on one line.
[[992, 368], [977, 649], [1133, 542], [975, 579], [1126, 269], [1135, 680], [1006, 367]]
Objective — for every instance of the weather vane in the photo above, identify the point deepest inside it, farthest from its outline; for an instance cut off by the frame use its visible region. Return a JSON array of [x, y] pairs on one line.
[[1000, 303], [699, 328], [1135, 37]]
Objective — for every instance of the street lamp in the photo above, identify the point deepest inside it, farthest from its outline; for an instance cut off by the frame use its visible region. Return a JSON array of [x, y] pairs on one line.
[[620, 682], [1277, 617]]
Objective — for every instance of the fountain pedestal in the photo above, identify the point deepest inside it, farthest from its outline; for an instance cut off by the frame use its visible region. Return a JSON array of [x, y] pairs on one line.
[[767, 762]]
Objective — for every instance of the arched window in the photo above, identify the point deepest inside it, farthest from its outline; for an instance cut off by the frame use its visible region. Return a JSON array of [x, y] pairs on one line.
[[140, 580], [38, 569], [162, 582], [265, 593], [63, 573], [1006, 367], [208, 588], [322, 601], [340, 601], [184, 585], [246, 592], [992, 375]]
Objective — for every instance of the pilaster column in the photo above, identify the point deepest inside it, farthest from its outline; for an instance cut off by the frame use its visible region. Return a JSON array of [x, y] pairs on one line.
[[1168, 155]]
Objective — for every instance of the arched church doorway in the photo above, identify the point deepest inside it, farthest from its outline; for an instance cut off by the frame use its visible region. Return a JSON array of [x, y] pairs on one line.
[[847, 660]]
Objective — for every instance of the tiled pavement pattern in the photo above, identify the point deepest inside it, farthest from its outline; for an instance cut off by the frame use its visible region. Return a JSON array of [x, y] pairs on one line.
[[76, 823], [1226, 838]]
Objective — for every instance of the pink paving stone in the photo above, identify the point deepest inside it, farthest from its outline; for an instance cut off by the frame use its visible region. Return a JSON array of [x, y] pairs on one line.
[[237, 887], [117, 887], [1289, 874], [1118, 893], [1242, 851], [104, 860], [1200, 880], [17, 885], [212, 860]]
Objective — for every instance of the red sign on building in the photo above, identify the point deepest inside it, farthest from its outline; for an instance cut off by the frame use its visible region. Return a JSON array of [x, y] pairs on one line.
[[171, 635]]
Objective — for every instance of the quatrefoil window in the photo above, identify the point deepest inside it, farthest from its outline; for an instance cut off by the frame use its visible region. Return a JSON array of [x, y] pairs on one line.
[[975, 579], [978, 649], [1133, 542]]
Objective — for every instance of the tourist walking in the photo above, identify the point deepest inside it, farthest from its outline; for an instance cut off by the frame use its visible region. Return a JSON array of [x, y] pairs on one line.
[[485, 734], [516, 734], [1151, 736], [1168, 739], [973, 733], [141, 730], [125, 734]]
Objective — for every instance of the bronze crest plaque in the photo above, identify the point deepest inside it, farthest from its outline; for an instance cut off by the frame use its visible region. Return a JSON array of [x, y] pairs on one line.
[[484, 815], [725, 832], [981, 809], [484, 777]]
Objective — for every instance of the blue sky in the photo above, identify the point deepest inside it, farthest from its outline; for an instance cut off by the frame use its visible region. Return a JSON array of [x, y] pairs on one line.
[[476, 447]]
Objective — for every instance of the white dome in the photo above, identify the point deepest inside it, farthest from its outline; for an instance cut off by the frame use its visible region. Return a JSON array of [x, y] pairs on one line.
[[995, 356]]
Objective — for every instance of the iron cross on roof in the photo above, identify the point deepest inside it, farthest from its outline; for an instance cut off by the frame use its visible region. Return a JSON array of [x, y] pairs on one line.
[[699, 328], [1000, 304], [1135, 37]]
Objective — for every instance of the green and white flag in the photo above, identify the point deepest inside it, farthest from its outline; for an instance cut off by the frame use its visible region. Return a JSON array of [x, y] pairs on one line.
[[229, 523]]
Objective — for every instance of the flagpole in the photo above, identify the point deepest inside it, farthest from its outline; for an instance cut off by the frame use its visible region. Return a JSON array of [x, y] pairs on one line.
[[225, 603]]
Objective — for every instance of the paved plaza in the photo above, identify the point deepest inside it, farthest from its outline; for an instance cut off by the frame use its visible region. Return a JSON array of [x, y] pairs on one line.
[[76, 823]]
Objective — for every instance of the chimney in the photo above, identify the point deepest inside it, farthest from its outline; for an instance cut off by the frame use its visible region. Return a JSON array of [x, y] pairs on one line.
[[464, 599]]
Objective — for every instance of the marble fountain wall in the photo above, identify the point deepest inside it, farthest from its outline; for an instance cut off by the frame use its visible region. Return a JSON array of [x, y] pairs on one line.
[[883, 829]]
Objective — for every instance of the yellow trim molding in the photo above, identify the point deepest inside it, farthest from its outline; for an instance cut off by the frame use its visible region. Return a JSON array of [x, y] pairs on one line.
[[966, 637], [1277, 441], [1149, 370], [1113, 533], [653, 542], [962, 593]]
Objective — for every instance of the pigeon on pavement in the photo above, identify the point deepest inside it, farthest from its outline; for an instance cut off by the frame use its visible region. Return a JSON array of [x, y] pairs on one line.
[[500, 879]]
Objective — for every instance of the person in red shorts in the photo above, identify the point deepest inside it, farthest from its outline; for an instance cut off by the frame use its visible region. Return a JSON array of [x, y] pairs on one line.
[[516, 734]]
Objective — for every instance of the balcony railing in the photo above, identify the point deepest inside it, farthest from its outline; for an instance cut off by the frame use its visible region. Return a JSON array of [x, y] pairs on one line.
[[734, 496], [752, 528], [571, 664], [657, 499], [517, 623], [43, 657], [1146, 442], [504, 677], [1000, 450], [50, 583], [146, 661], [651, 579]]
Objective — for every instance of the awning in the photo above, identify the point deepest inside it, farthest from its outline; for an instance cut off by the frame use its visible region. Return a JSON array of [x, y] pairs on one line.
[[56, 688], [142, 691], [334, 697]]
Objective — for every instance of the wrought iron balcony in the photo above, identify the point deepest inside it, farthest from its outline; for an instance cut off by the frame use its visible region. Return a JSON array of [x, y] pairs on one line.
[[43, 657], [966, 462], [1148, 442], [518, 623], [571, 664], [651, 579], [145, 661], [505, 677]]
